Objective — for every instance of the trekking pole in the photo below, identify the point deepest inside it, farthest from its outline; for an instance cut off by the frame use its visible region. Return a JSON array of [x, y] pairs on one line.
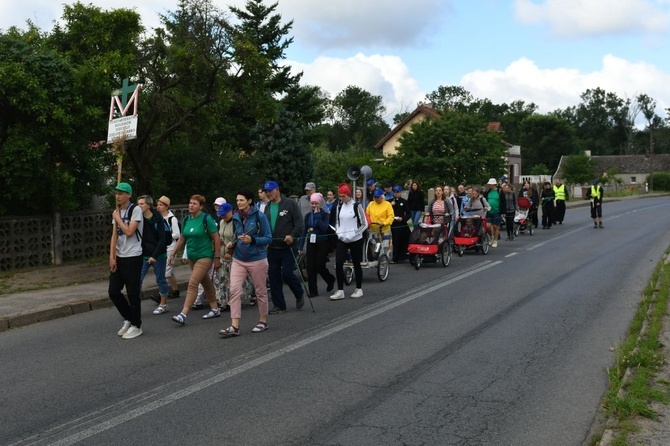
[[302, 280]]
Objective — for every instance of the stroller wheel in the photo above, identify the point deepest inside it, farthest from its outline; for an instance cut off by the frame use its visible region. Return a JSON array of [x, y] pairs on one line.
[[418, 261]]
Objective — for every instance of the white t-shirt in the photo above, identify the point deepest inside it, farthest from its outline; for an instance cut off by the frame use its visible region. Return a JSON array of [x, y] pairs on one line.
[[130, 246]]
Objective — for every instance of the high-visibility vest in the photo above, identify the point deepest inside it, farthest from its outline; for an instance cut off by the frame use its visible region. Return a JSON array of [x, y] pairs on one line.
[[559, 192], [596, 192]]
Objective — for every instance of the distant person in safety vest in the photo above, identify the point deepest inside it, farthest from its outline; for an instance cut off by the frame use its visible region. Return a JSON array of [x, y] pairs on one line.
[[595, 194], [561, 194]]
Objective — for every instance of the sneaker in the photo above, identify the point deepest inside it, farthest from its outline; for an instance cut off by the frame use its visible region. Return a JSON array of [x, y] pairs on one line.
[[173, 294], [124, 328], [494, 244], [180, 318], [277, 310], [161, 309], [132, 332], [595, 226], [300, 302], [156, 297], [338, 295], [230, 331], [357, 293], [212, 314], [260, 326]]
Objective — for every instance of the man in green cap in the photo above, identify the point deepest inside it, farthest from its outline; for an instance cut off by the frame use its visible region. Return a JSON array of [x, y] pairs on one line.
[[125, 262]]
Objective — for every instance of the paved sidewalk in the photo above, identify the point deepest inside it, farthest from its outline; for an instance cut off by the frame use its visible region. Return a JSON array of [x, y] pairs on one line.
[[48, 293]]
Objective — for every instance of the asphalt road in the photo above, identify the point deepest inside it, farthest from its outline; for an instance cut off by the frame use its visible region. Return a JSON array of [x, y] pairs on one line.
[[510, 348]]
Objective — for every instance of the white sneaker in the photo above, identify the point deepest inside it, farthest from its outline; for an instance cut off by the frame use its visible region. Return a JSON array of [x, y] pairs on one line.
[[132, 332], [338, 295], [494, 244], [357, 293], [124, 328]]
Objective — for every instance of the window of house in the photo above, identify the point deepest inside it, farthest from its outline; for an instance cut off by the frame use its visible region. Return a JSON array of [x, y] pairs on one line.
[[633, 179]]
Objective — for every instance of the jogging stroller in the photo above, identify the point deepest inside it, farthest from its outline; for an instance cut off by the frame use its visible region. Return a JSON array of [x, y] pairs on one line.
[[522, 217], [471, 233], [430, 243]]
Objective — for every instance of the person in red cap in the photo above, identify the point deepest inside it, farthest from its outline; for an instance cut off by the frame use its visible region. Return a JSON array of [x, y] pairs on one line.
[[350, 223]]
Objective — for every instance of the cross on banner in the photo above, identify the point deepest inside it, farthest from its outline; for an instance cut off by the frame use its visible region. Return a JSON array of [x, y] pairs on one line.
[[123, 126], [124, 91]]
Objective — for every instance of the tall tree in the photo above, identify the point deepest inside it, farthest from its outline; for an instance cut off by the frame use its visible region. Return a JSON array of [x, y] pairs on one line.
[[452, 98], [359, 119], [455, 148], [544, 139]]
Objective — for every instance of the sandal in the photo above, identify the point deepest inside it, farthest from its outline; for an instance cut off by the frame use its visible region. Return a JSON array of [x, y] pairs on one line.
[[160, 309], [212, 314], [230, 331], [261, 326], [180, 318]]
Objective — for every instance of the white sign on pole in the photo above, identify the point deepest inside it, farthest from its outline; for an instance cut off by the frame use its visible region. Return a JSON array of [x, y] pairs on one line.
[[119, 126]]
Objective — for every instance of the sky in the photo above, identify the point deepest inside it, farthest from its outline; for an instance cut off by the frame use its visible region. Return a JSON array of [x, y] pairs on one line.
[[547, 52]]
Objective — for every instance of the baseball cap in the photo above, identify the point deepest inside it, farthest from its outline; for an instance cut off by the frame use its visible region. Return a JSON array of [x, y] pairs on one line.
[[371, 182], [492, 181], [378, 193], [124, 187], [310, 186], [270, 185], [165, 200], [397, 188], [219, 201], [224, 209]]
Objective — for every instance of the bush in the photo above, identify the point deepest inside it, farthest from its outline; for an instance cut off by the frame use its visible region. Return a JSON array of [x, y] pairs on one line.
[[659, 181]]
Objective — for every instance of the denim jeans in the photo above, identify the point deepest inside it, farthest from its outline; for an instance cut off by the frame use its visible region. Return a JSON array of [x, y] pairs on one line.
[[159, 271]]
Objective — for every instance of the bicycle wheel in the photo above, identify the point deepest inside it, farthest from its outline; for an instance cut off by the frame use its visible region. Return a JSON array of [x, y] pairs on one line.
[[383, 266]]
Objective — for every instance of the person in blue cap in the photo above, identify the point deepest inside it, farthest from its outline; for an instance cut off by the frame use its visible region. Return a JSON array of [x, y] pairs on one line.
[[286, 224], [400, 227], [371, 189]]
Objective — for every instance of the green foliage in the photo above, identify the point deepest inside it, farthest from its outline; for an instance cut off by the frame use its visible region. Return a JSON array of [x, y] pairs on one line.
[[282, 153], [578, 169], [453, 149], [358, 118], [661, 181], [330, 168], [545, 139], [540, 169]]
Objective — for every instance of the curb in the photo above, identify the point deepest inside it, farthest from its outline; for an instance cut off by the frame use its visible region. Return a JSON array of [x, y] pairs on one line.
[[65, 310]]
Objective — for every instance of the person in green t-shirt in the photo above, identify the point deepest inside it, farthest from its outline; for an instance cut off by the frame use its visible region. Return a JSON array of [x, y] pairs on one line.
[[201, 237], [493, 216]]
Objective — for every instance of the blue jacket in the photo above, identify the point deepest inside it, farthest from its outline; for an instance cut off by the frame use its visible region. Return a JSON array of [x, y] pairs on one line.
[[319, 227], [257, 226]]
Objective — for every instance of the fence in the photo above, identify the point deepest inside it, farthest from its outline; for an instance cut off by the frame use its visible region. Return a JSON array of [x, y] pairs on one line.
[[28, 242]]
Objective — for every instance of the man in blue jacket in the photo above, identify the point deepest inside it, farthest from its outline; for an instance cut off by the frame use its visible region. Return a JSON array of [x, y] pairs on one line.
[[286, 225]]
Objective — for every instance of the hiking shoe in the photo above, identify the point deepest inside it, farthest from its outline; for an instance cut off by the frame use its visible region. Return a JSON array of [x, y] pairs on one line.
[[212, 314], [300, 302], [260, 326], [156, 297], [124, 328], [230, 331], [357, 293], [161, 309], [277, 310], [180, 318], [339, 294], [132, 332], [173, 294]]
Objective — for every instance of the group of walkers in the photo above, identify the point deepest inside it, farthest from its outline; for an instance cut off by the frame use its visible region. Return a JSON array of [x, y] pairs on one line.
[[262, 238]]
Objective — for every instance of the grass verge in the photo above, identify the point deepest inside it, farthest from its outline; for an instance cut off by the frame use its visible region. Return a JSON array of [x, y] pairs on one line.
[[632, 387]]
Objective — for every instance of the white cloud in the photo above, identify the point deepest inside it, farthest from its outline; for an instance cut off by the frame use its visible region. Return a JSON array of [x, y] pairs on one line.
[[594, 17], [552, 89], [350, 24], [386, 76]]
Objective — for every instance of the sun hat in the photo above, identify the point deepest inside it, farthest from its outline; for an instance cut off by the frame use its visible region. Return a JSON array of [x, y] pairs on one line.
[[124, 187], [492, 181], [270, 185], [165, 200]]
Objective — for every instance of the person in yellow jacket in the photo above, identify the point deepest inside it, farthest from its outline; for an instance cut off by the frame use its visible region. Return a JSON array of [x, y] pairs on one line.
[[380, 212], [595, 195], [561, 194]]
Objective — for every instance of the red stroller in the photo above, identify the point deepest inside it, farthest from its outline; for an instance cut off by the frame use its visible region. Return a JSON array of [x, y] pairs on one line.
[[430, 243], [471, 233], [522, 217]]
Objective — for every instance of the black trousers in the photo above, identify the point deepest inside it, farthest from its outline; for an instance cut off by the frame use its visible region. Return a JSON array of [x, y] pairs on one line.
[[547, 214], [559, 211], [316, 264], [129, 274], [400, 237], [356, 249], [509, 223]]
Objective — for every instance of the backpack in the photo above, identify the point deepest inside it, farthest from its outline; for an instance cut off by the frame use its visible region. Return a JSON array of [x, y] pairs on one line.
[[170, 223], [127, 218], [204, 222], [166, 227]]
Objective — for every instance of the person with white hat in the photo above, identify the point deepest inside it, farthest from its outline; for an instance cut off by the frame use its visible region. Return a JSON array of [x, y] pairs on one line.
[[493, 196]]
